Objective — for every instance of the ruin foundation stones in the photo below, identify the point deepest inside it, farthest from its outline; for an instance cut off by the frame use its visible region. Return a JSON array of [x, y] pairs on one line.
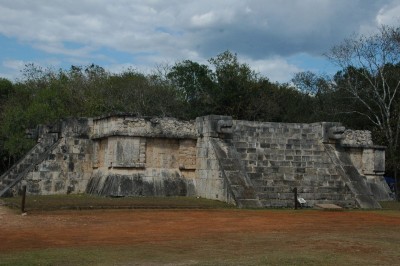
[[249, 164]]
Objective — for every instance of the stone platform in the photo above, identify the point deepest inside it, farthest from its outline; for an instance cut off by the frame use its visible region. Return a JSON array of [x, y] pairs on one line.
[[249, 164]]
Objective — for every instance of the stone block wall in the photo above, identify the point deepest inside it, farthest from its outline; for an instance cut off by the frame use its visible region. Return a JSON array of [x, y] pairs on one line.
[[66, 170], [68, 166], [210, 182], [149, 127], [143, 157], [250, 164], [150, 167], [368, 159], [119, 151], [279, 157], [10, 181]]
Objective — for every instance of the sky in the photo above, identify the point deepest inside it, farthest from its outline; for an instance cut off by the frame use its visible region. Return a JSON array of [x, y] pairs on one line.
[[276, 38]]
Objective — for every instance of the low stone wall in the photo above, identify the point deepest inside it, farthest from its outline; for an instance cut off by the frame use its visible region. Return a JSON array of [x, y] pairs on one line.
[[149, 127]]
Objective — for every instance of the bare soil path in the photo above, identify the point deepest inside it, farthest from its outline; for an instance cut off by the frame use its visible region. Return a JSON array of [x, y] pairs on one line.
[[230, 232]]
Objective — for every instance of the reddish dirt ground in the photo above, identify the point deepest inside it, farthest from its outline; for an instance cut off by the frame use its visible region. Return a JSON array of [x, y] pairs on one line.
[[130, 227]]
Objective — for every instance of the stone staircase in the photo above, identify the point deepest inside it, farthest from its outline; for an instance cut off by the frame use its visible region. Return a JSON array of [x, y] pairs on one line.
[[239, 185], [277, 159], [354, 181], [19, 170]]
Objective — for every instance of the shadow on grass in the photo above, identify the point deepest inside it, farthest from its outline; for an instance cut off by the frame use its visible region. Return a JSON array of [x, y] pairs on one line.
[[390, 205], [85, 201]]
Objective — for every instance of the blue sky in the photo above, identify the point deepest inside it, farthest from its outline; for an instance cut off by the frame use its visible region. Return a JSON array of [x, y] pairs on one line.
[[276, 38]]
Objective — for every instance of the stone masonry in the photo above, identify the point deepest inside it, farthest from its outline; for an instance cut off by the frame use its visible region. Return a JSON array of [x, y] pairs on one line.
[[249, 164]]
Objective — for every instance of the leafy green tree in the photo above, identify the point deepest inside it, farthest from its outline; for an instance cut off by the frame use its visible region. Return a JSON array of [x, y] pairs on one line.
[[295, 106], [263, 104], [195, 86], [6, 90], [328, 102], [234, 84], [230, 87], [13, 126]]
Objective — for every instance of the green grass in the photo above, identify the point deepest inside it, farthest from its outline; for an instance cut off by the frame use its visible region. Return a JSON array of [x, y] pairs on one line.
[[85, 201], [152, 256], [390, 205], [259, 250]]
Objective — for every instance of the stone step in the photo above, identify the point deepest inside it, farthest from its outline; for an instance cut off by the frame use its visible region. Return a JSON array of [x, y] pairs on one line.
[[238, 191], [301, 189], [234, 177], [28, 161], [273, 146], [297, 183], [307, 196], [276, 203]]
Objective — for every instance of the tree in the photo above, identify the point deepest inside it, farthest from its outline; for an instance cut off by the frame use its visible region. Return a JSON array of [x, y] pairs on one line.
[[328, 101], [311, 83], [229, 87], [6, 90], [371, 76], [235, 85], [195, 85]]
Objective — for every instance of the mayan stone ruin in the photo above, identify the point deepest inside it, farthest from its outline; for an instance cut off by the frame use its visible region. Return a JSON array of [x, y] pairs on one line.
[[249, 164]]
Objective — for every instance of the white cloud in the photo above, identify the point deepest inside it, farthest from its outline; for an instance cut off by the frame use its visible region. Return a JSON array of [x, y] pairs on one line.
[[204, 19], [213, 18], [197, 30], [14, 64], [276, 69], [60, 49], [389, 15]]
